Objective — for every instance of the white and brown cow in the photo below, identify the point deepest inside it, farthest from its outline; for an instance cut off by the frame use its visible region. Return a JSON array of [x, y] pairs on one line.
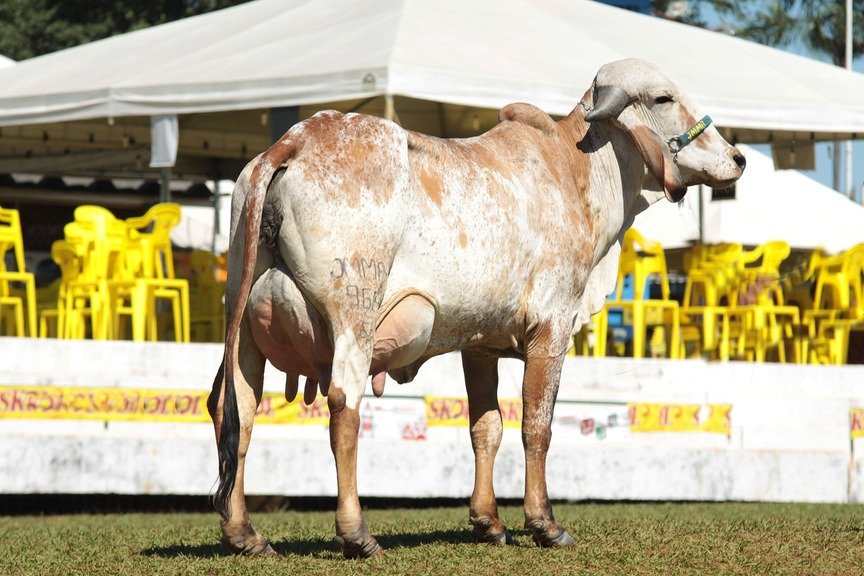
[[359, 248]]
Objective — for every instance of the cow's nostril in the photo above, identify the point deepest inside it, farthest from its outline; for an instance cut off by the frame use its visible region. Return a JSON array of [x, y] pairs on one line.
[[740, 160]]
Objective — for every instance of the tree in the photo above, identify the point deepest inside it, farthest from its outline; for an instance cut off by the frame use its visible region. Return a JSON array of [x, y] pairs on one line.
[[817, 25], [31, 28]]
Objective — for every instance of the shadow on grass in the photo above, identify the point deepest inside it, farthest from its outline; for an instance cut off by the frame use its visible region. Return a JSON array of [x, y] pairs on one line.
[[425, 538], [316, 547], [284, 548]]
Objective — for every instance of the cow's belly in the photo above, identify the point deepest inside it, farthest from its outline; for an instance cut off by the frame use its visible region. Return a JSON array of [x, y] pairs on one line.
[[474, 307]]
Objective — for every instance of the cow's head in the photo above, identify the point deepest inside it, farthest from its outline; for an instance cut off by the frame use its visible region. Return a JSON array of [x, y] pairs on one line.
[[680, 146]]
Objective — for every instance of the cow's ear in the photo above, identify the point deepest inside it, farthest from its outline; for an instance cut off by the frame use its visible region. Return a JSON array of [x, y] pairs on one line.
[[654, 154]]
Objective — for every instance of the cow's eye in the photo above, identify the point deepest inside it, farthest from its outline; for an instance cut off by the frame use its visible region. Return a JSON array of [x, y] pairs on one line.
[[663, 100]]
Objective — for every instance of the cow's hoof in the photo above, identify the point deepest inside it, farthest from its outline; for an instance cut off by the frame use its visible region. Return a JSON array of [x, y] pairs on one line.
[[547, 536], [359, 545], [245, 545], [488, 532]]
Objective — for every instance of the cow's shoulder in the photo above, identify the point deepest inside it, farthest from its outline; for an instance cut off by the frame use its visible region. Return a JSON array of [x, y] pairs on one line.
[[529, 115]]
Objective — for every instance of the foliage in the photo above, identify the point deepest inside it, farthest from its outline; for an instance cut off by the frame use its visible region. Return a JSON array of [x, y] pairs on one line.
[[31, 28], [817, 25], [634, 539]]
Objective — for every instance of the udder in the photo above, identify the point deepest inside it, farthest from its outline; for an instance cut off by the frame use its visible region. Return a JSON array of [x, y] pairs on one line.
[[287, 329], [294, 337]]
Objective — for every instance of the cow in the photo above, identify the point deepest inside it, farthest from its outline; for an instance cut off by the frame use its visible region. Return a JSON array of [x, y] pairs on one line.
[[360, 248]]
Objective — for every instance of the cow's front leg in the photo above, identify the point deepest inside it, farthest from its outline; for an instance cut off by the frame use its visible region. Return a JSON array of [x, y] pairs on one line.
[[540, 387], [350, 369], [237, 532], [481, 383]]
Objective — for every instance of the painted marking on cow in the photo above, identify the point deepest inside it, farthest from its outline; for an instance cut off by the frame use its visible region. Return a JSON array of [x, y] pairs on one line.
[[372, 268]]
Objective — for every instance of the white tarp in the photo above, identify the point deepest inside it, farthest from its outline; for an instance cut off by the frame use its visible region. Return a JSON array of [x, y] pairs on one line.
[[164, 138], [769, 205], [486, 53], [197, 227]]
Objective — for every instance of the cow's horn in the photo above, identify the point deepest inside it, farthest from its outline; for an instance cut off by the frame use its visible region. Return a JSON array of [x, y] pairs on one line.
[[609, 101]]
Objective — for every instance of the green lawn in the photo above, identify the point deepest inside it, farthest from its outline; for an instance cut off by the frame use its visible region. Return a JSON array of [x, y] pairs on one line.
[[631, 539]]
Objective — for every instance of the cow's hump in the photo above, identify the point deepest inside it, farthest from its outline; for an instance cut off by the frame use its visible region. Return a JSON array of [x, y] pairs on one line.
[[529, 115]]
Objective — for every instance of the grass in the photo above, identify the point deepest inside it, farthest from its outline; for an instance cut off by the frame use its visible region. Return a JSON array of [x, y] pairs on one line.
[[631, 539]]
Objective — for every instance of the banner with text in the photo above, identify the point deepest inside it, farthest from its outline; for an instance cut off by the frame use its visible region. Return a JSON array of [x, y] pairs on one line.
[[80, 403], [661, 417], [856, 423], [392, 418]]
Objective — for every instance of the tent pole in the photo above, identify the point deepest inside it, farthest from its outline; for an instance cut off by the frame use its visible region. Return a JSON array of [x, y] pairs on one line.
[[701, 215], [389, 108], [849, 187], [217, 200], [165, 186]]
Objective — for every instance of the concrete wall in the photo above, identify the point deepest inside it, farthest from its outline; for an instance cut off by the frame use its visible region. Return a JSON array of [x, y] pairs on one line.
[[789, 438]]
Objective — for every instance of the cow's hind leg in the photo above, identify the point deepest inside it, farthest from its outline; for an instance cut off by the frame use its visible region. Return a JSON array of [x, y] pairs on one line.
[[351, 361], [237, 532], [539, 389], [481, 382]]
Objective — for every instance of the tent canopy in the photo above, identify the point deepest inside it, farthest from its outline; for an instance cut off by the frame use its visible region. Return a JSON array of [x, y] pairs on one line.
[[448, 64], [769, 205]]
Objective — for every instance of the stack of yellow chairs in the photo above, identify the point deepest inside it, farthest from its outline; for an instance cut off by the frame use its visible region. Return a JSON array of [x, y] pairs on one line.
[[640, 259], [709, 288], [99, 242], [837, 305], [734, 301], [208, 291], [15, 306], [149, 277], [759, 318], [79, 301], [711, 274], [116, 270]]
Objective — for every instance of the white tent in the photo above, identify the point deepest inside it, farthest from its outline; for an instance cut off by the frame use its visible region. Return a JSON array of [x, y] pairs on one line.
[[443, 63], [5, 62], [769, 205]]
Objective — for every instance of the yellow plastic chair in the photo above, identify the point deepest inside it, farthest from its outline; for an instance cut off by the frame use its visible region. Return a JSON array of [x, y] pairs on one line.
[[11, 238], [751, 332], [591, 338], [838, 305], [153, 232], [839, 282], [79, 298], [712, 279], [98, 240], [149, 279], [641, 259], [708, 292], [759, 273], [758, 319]]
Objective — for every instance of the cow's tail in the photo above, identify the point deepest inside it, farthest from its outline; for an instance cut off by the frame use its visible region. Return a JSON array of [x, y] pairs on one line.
[[229, 435]]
